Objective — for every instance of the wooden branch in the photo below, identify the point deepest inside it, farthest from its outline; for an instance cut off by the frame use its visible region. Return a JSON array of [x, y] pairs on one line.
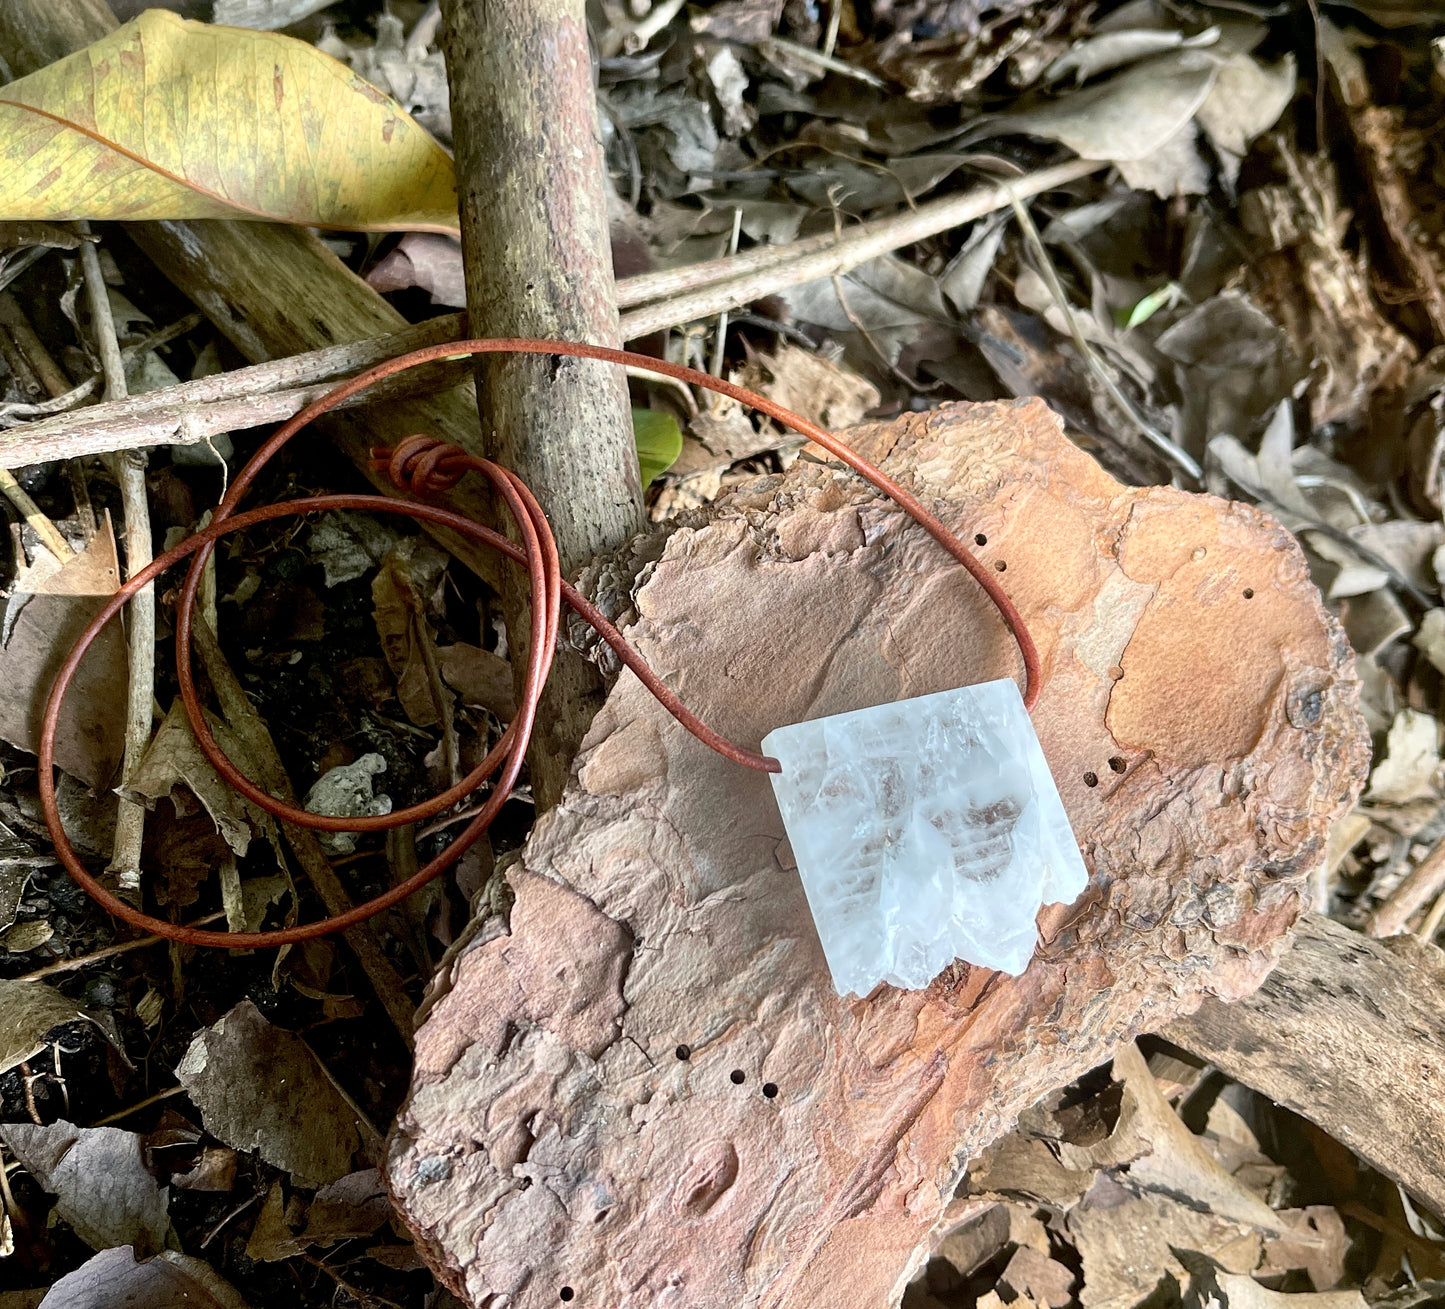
[[1417, 888], [1348, 1032], [245, 397], [701, 290], [272, 392], [538, 264]]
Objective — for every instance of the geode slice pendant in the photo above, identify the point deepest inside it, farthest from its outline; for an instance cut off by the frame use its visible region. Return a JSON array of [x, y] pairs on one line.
[[925, 831]]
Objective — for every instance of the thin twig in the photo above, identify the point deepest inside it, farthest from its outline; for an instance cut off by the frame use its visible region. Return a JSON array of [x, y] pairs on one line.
[[829, 61], [720, 333], [167, 1094], [1180, 458], [441, 697], [852, 247], [39, 360], [273, 392], [1433, 919], [129, 469], [27, 1081], [109, 952], [1421, 884], [32, 513], [835, 21], [842, 254], [15, 410], [660, 16]]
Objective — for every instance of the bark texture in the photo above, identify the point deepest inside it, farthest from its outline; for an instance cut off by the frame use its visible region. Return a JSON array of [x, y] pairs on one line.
[[643, 1086], [538, 263]]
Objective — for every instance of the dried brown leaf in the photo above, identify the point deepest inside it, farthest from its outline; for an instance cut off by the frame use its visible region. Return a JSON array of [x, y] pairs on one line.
[[260, 1088], [169, 1281], [29, 1011], [90, 737], [98, 1176]]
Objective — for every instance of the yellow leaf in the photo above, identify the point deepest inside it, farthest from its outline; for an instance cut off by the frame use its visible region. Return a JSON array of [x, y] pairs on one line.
[[166, 118]]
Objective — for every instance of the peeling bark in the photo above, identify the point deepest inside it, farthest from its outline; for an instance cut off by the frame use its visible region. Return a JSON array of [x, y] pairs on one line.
[[644, 1087]]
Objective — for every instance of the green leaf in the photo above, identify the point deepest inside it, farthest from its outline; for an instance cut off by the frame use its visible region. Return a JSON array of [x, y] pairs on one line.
[[659, 442], [1168, 294]]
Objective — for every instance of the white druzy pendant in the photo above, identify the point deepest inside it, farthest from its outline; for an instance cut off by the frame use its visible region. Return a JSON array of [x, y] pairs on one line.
[[925, 831]]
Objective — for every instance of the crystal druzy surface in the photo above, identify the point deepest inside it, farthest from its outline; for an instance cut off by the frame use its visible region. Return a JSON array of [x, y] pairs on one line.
[[925, 831]]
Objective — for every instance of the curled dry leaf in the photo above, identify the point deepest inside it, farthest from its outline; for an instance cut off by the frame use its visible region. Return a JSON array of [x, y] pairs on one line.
[[399, 593], [813, 385], [169, 1281], [90, 738], [29, 1012], [166, 118], [98, 1176], [260, 1088], [173, 759], [481, 678], [1412, 760], [427, 260]]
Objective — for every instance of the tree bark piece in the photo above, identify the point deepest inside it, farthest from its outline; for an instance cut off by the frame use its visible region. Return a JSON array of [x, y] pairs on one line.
[[539, 264], [644, 1087], [1349, 1033]]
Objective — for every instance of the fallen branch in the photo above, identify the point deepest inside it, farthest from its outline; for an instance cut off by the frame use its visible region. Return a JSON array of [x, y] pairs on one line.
[[1418, 887], [1346, 1032], [129, 470], [272, 392], [822, 255]]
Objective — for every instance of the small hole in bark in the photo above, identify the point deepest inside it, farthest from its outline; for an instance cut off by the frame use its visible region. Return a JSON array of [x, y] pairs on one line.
[[1001, 566], [980, 539], [1091, 779], [737, 1076], [770, 1089], [683, 1052], [566, 1293], [1118, 763], [1249, 593]]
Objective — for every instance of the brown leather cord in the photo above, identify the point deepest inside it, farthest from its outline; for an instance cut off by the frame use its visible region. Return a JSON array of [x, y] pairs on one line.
[[421, 466]]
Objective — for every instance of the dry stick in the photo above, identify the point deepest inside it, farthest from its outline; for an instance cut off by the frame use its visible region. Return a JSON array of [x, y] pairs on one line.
[[17, 326], [273, 392], [109, 952], [33, 356], [1420, 885], [169, 1093], [1156, 438], [530, 187], [33, 514], [1433, 919], [261, 394], [242, 716], [856, 245], [129, 470]]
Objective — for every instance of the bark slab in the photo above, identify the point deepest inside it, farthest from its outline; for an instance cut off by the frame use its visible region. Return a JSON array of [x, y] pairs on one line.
[[642, 1089]]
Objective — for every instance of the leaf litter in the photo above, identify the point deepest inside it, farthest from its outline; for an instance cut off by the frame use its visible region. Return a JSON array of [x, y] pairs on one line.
[[1273, 309]]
